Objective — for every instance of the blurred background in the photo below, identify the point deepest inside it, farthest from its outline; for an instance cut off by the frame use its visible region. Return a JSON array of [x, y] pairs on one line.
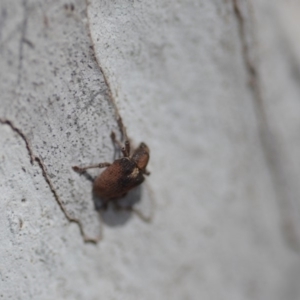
[[212, 87]]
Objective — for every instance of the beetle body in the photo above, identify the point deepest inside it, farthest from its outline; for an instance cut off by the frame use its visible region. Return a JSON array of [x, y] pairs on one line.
[[122, 175], [117, 179]]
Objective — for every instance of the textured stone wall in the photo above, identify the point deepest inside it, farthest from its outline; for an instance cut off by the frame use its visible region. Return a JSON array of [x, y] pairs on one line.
[[212, 87]]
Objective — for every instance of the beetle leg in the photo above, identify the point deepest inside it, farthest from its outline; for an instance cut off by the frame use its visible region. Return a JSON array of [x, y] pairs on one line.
[[125, 150], [127, 147], [117, 207], [83, 169], [103, 206], [146, 172]]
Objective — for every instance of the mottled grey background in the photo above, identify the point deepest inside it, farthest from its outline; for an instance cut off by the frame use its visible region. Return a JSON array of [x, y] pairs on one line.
[[212, 87]]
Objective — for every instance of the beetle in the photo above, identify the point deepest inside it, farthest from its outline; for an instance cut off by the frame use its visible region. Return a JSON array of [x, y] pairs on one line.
[[122, 175]]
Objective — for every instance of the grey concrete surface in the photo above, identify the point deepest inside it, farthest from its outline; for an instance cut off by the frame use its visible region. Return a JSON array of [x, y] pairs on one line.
[[211, 87]]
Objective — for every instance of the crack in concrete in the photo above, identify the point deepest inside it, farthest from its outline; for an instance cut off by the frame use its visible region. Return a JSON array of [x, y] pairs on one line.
[[109, 89], [270, 150], [22, 135], [241, 27], [119, 120], [34, 158]]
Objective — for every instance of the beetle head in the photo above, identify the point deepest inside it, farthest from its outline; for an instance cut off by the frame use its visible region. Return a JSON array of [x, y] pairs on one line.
[[141, 156]]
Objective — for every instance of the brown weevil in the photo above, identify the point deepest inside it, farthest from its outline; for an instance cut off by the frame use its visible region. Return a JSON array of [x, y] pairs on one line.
[[122, 175]]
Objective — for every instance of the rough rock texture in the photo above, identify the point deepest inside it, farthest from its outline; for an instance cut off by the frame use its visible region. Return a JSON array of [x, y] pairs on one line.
[[212, 87]]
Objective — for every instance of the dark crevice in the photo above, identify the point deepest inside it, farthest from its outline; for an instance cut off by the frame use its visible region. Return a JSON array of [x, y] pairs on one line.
[[40, 163], [38, 160], [21, 134], [270, 147], [111, 98], [122, 128], [250, 66]]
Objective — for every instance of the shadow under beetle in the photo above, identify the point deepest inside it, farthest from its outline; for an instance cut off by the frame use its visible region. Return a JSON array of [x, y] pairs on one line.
[[122, 175]]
